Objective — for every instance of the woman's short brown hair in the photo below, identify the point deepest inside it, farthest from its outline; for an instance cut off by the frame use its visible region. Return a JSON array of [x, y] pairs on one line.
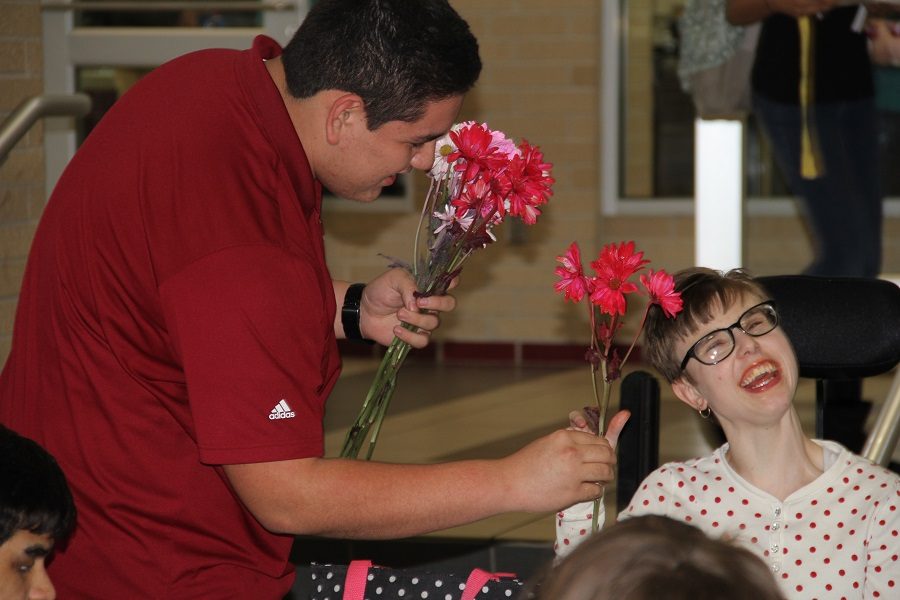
[[702, 291]]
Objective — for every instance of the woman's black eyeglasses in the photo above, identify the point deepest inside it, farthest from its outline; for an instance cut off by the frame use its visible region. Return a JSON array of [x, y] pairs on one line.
[[718, 345]]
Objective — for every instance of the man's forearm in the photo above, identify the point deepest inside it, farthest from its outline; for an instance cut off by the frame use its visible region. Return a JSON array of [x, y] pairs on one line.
[[370, 500], [361, 499]]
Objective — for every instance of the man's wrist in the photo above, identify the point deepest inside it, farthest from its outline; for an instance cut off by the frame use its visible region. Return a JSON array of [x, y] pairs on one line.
[[350, 313]]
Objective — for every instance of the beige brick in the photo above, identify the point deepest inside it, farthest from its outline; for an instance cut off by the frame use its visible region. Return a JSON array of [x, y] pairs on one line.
[[492, 49], [18, 19], [558, 50], [14, 204], [576, 101], [530, 25], [15, 90], [15, 240], [467, 8], [23, 164], [34, 57], [36, 201], [573, 152], [586, 23], [515, 74], [5, 344], [13, 57], [587, 75], [7, 317], [581, 128]]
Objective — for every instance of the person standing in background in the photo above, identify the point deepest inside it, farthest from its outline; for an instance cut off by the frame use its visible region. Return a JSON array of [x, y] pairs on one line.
[[830, 102]]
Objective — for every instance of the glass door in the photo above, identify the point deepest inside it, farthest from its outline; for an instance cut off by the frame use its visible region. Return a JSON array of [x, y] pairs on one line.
[[101, 47]]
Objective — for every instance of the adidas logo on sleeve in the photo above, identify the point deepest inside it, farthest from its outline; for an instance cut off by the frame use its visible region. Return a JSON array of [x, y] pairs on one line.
[[281, 411]]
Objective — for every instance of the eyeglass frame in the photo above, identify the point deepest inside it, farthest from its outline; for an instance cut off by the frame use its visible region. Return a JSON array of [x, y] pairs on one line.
[[691, 354]]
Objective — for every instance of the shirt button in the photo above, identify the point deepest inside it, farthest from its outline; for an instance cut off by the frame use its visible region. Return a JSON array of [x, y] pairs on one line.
[[773, 548], [775, 526], [776, 567], [777, 511]]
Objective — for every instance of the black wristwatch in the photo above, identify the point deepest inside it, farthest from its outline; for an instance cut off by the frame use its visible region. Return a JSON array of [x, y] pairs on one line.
[[350, 313]]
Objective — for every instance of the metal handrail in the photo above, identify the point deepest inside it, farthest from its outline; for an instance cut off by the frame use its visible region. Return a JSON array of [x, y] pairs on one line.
[[169, 5], [26, 114]]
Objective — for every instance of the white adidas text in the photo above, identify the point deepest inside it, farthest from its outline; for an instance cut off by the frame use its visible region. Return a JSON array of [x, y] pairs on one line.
[[281, 411]]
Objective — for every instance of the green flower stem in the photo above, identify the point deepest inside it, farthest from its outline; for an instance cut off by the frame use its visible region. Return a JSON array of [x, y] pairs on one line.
[[636, 335], [432, 267], [604, 402], [377, 400], [602, 405], [595, 520]]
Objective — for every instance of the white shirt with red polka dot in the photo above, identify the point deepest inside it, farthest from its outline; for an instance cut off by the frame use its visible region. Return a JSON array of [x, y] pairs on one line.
[[838, 537]]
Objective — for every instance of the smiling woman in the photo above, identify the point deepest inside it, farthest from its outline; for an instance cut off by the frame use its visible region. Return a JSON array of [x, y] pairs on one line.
[[823, 519]]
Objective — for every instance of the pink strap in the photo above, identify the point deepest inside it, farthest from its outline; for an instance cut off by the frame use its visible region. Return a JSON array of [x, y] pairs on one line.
[[477, 579], [355, 583]]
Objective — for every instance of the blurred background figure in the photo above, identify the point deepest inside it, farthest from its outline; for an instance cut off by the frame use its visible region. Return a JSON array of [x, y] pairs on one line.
[[832, 101]]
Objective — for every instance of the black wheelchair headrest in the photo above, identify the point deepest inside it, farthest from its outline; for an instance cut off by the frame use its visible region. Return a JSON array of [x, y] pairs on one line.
[[841, 327]]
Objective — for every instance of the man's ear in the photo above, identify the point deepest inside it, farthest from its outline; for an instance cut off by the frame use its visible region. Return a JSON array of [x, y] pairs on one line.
[[686, 392], [346, 111]]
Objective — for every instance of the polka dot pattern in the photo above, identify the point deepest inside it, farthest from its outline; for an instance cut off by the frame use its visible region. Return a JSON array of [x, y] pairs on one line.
[[838, 537], [396, 584]]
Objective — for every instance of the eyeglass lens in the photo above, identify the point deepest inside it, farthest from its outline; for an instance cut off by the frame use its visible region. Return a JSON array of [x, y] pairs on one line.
[[715, 347]]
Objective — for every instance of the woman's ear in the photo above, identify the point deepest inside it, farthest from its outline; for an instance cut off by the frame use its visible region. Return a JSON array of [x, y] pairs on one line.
[[688, 393], [345, 112]]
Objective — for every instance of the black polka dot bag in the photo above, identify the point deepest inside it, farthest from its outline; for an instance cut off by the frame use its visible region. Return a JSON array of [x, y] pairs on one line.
[[361, 580]]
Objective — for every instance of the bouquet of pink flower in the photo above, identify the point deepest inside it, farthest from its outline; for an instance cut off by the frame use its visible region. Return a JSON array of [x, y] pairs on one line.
[[479, 177], [607, 291]]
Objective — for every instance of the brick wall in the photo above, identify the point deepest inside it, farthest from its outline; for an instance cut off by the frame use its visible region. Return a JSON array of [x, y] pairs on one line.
[[22, 175], [541, 82]]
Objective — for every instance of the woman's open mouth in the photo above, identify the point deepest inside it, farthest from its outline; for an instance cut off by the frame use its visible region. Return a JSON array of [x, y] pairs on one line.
[[761, 376]]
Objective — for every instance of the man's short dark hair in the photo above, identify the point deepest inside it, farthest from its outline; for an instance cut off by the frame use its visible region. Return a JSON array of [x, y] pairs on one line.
[[34, 495], [397, 55]]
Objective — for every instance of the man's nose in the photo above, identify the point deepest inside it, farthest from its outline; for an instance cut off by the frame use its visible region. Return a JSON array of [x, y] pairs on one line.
[[423, 159]]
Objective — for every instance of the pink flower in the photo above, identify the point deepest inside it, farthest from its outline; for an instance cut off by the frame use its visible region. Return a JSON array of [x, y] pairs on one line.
[[529, 183], [476, 151], [660, 288], [572, 281], [482, 197], [615, 265], [448, 218]]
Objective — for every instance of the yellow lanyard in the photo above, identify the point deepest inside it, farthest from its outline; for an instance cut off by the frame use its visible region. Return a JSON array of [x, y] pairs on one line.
[[810, 156]]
